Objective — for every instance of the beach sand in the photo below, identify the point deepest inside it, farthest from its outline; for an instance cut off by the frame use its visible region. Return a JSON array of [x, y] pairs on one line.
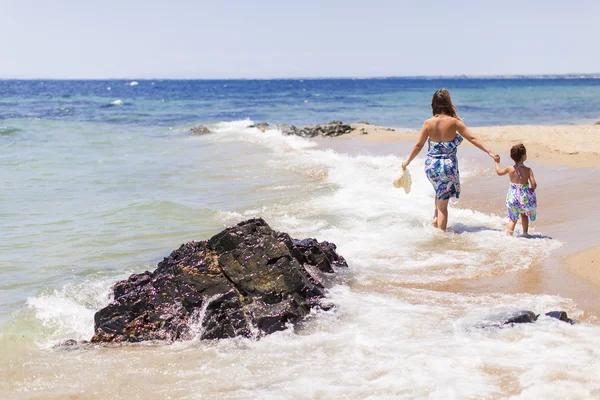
[[568, 145], [564, 159], [585, 264]]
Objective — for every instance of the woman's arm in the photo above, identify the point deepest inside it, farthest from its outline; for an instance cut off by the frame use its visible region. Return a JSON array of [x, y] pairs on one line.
[[418, 146], [532, 180], [500, 171], [467, 134]]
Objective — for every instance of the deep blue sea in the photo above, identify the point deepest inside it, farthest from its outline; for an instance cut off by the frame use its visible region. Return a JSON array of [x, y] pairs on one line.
[[100, 179], [397, 102]]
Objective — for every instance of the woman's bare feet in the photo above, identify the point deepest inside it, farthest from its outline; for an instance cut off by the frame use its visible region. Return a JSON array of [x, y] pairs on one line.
[[434, 223]]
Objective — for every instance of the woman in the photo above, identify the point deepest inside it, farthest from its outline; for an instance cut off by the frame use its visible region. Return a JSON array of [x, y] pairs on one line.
[[444, 132]]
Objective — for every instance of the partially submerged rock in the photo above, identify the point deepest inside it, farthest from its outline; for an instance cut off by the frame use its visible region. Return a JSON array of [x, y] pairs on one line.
[[263, 126], [511, 318], [560, 315], [520, 317], [247, 281], [199, 130], [334, 128]]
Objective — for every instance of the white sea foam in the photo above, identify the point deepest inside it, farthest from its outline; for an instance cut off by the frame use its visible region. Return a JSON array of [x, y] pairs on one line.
[[68, 313], [382, 229], [133, 83], [117, 102], [272, 138]]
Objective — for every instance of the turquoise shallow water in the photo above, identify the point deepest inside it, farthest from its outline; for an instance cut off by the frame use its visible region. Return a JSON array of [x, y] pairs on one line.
[[91, 193], [87, 198]]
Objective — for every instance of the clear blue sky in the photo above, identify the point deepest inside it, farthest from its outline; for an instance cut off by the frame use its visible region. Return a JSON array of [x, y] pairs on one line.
[[268, 38]]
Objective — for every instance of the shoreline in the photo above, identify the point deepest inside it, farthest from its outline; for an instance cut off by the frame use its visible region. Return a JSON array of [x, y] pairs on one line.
[[565, 190], [567, 145]]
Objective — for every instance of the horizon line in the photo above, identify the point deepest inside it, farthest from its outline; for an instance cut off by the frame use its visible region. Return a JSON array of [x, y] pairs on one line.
[[457, 76]]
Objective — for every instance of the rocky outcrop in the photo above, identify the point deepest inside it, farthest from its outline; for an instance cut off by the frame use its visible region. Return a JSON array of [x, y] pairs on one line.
[[597, 123], [247, 281], [332, 129], [199, 130]]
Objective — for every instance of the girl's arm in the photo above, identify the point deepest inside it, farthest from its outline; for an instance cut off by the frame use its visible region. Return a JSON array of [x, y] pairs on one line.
[[532, 180], [500, 171], [418, 147], [467, 134]]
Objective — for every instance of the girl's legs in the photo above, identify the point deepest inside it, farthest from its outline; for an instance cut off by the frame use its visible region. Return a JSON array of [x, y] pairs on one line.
[[510, 228], [525, 222], [435, 213], [442, 208]]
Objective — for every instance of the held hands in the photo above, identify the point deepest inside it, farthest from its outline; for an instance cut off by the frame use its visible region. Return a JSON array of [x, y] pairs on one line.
[[495, 156]]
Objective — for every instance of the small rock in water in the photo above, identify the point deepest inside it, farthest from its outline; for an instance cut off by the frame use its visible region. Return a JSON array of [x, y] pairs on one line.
[[263, 126], [199, 130], [520, 317], [560, 315], [597, 123]]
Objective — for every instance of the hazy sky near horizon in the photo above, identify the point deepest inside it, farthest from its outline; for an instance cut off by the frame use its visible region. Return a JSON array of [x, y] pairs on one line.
[[310, 38]]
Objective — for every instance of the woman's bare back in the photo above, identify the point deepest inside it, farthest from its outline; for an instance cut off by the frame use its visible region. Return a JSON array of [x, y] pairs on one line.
[[441, 128]]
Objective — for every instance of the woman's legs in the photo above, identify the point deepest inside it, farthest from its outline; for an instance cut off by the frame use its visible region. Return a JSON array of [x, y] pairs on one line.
[[435, 213], [442, 209]]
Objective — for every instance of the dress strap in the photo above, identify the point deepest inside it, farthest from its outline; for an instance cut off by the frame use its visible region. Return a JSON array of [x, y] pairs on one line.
[[518, 170]]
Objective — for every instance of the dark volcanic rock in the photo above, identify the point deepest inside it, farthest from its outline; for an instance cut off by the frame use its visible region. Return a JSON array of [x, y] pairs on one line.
[[334, 128], [247, 280], [560, 315], [520, 317], [199, 130]]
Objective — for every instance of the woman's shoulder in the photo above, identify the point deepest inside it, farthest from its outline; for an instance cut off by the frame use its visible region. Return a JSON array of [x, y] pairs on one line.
[[442, 120]]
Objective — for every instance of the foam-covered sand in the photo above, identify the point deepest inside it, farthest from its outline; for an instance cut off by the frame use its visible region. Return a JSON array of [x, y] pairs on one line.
[[568, 145]]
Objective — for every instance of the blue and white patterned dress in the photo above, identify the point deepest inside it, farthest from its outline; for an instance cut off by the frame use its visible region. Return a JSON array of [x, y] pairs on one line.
[[441, 168]]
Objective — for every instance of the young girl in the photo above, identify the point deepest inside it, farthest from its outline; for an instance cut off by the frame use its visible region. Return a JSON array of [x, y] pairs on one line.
[[520, 199]]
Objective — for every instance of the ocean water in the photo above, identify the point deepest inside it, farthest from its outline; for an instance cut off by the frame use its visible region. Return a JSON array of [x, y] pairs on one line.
[[98, 184]]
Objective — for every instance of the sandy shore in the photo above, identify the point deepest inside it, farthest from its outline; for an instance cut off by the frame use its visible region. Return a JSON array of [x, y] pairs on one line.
[[567, 207], [585, 264], [568, 145]]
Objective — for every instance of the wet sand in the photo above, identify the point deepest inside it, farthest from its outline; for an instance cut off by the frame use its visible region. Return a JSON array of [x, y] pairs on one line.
[[566, 212], [585, 265]]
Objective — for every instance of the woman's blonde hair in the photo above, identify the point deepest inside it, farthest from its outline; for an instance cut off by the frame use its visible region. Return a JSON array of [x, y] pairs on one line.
[[441, 103]]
